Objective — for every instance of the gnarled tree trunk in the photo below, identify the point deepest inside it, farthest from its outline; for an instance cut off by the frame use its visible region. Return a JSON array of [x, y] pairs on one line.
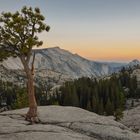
[[31, 115], [32, 112]]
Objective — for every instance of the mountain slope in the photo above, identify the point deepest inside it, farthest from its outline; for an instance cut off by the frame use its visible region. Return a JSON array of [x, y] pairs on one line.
[[55, 64], [62, 61], [59, 60]]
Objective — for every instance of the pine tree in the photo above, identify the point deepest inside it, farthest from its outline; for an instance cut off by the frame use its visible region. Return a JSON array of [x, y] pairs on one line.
[[109, 108], [75, 100], [21, 99], [89, 108], [101, 108], [18, 36]]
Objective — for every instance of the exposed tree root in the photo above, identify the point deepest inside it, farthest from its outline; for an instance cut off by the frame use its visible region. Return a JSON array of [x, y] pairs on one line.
[[32, 115]]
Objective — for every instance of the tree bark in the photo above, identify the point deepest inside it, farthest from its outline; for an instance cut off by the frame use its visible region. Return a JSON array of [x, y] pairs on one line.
[[31, 115], [32, 112]]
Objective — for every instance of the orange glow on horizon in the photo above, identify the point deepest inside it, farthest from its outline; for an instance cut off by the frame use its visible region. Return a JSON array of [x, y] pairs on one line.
[[104, 51]]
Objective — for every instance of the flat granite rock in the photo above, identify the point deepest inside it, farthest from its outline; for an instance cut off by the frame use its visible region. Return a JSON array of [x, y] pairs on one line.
[[62, 123], [132, 118]]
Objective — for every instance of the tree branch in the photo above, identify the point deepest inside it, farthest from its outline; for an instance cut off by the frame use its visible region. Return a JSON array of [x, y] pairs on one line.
[[29, 55], [32, 68]]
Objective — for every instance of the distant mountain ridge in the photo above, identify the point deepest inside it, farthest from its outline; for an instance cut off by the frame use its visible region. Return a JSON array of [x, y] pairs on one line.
[[64, 62], [134, 62]]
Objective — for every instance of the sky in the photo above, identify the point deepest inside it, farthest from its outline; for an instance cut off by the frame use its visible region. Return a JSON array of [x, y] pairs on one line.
[[103, 30]]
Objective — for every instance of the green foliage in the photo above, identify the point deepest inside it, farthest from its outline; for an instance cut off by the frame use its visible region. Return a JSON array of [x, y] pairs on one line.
[[109, 108], [19, 30], [101, 108], [129, 82], [21, 99], [15, 97], [89, 106], [18, 35], [71, 96], [118, 114], [102, 97]]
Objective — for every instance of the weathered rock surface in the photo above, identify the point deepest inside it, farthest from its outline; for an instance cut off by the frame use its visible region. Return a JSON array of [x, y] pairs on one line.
[[62, 123], [132, 118]]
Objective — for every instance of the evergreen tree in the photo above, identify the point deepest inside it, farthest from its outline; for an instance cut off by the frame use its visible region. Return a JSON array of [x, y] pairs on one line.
[[109, 108], [101, 108], [89, 108], [75, 100], [18, 36], [21, 99]]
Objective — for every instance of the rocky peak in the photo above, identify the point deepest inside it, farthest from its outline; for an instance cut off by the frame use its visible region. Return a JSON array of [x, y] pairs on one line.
[[134, 62]]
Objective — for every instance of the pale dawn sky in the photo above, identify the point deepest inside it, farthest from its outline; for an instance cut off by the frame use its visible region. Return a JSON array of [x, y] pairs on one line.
[[104, 30]]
